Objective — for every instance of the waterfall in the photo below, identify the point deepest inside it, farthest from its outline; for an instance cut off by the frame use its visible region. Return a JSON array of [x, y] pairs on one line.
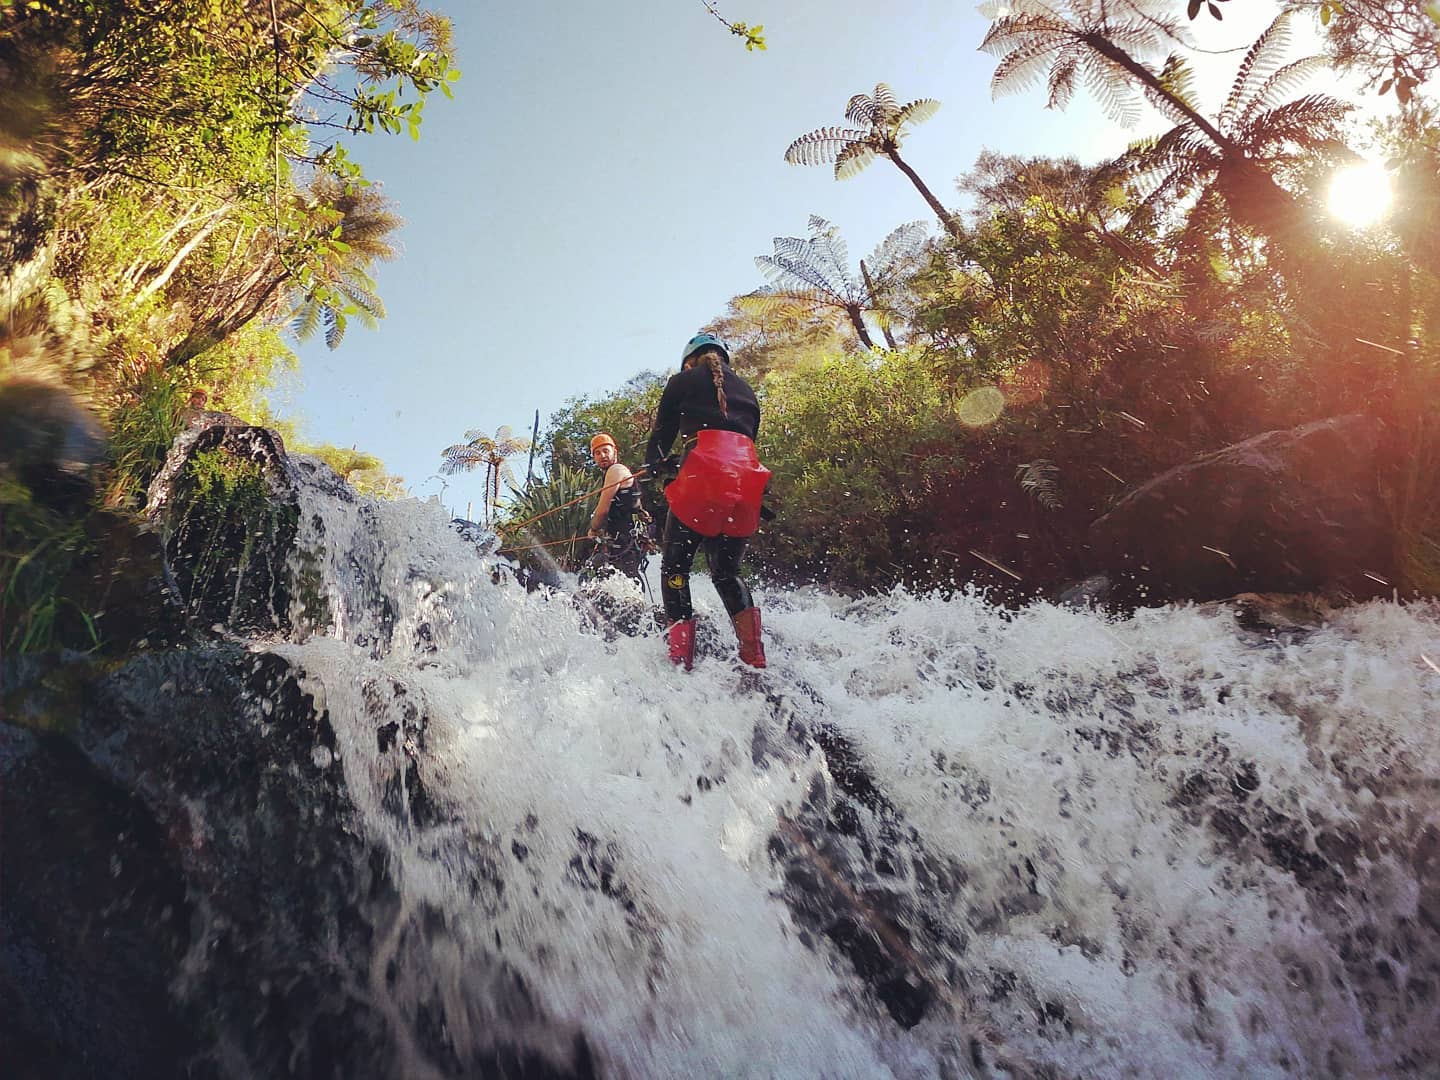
[[934, 838]]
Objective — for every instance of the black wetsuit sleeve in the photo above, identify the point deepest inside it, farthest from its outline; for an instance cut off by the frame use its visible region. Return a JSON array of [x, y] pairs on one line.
[[667, 423]]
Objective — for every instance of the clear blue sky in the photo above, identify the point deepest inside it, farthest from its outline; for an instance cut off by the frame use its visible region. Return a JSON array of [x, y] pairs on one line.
[[602, 182]]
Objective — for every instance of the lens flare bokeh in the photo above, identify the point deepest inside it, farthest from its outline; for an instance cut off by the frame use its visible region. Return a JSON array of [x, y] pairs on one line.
[[981, 406]]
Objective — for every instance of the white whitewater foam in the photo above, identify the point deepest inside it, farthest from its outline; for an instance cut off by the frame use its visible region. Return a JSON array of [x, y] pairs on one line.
[[1181, 848]]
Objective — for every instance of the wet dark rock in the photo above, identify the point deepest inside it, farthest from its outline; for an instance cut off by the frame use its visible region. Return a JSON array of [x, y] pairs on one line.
[[1092, 591], [189, 890], [226, 506], [1286, 511]]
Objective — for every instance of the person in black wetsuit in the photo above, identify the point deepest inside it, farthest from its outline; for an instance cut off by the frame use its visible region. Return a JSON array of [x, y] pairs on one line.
[[715, 498], [618, 544]]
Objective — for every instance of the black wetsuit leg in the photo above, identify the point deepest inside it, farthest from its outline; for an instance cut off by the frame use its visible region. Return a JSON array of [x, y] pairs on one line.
[[724, 554], [678, 547]]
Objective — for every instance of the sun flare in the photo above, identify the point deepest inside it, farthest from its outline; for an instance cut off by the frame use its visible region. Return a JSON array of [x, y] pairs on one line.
[[1360, 194]]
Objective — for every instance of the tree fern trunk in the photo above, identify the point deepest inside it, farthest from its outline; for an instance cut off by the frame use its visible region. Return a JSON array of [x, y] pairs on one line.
[[946, 218], [881, 316], [858, 322]]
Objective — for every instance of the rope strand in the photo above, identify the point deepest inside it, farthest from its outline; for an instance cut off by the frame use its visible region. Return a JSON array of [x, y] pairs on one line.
[[552, 543], [566, 505]]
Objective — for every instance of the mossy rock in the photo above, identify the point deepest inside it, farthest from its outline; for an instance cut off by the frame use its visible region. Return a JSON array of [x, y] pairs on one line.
[[228, 512]]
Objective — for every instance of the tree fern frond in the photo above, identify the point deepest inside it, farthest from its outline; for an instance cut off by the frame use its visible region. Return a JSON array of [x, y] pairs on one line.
[[506, 442], [1260, 60], [1281, 83], [1172, 186], [334, 326], [363, 299], [1165, 106], [460, 458], [885, 103], [769, 303], [1309, 121], [1182, 142], [917, 112], [1178, 79], [790, 247], [860, 109], [808, 302], [1025, 31], [1061, 84], [829, 247], [822, 146], [1146, 39], [796, 275], [1039, 479], [1109, 83], [1023, 66], [903, 243], [306, 320], [853, 159]]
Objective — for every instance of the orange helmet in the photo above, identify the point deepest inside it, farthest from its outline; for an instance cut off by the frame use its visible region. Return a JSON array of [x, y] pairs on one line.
[[601, 440]]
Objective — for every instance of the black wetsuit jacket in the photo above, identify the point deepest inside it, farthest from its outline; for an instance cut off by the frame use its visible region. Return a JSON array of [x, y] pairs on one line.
[[688, 404], [620, 518]]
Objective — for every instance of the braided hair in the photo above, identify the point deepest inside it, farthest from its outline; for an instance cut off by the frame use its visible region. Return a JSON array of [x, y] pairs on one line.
[[713, 358]]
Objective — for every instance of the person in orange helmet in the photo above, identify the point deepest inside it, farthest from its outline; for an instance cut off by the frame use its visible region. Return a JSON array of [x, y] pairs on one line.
[[613, 525]]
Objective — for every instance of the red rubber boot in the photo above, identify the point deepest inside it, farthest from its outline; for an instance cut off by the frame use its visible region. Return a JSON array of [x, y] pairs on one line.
[[747, 632], [682, 643]]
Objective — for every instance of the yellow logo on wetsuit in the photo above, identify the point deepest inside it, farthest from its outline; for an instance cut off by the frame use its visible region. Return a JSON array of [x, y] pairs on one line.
[[676, 581]]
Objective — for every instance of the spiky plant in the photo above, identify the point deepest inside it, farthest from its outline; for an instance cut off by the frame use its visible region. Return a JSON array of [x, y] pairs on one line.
[[881, 125], [813, 274], [1109, 46], [480, 449], [341, 287], [538, 520]]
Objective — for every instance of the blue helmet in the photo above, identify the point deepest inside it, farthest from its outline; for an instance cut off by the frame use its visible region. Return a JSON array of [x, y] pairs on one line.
[[703, 341]]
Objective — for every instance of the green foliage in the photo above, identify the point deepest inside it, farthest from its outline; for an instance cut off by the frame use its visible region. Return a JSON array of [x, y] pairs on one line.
[[853, 445], [626, 415], [151, 412], [41, 551], [753, 36], [173, 195], [364, 472], [178, 148], [768, 333]]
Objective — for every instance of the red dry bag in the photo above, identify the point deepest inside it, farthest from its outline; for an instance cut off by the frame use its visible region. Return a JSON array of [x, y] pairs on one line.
[[720, 485]]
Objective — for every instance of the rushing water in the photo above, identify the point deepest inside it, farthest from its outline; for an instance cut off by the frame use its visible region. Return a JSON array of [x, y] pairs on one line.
[[933, 839]]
